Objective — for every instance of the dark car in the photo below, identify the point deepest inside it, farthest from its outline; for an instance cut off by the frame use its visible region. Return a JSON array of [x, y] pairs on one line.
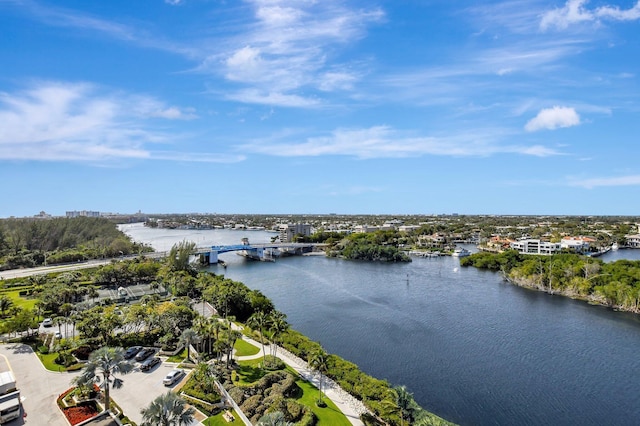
[[144, 354], [132, 351], [150, 363]]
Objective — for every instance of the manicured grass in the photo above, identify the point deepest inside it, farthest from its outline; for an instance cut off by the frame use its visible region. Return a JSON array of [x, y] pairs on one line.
[[249, 371], [329, 415], [179, 357], [245, 348], [218, 420], [19, 301], [48, 362]]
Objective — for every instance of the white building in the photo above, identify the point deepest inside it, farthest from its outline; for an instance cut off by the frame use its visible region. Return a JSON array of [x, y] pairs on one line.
[[363, 229], [534, 246], [288, 231], [633, 241], [83, 213], [576, 244]]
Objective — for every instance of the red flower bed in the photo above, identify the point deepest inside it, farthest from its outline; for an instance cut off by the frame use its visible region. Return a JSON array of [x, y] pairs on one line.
[[80, 413]]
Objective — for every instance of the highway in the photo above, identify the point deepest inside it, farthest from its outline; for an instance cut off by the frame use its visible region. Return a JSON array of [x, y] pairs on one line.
[[27, 272]]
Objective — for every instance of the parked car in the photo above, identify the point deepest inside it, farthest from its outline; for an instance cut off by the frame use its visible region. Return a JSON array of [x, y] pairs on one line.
[[149, 363], [57, 335], [132, 351], [172, 377], [144, 354], [48, 322]]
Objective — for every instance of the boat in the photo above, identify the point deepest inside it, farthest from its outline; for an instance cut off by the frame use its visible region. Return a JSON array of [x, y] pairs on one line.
[[615, 246], [461, 252]]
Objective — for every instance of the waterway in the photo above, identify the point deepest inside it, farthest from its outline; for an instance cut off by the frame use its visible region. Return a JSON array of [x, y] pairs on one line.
[[470, 347]]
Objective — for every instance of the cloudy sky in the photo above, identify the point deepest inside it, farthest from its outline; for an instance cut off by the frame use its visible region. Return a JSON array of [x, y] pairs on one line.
[[320, 106]]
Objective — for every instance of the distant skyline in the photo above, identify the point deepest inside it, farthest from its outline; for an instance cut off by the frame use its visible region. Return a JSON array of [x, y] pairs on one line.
[[523, 107]]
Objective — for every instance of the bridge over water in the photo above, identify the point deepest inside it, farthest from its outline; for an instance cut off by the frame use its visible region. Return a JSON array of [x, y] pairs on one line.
[[264, 252]]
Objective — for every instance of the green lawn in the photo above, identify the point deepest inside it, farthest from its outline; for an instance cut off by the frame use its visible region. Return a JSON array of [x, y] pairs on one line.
[[19, 301], [249, 371], [218, 420], [245, 348], [179, 357], [48, 362], [329, 415]]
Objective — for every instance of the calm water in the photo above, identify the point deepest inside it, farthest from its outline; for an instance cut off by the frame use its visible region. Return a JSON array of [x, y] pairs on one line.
[[470, 347]]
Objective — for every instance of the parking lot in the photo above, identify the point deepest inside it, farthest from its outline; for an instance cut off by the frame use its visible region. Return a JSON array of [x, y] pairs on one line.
[[40, 388]]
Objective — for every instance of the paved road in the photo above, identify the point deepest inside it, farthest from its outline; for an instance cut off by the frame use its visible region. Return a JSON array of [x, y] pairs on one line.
[[27, 272], [38, 387]]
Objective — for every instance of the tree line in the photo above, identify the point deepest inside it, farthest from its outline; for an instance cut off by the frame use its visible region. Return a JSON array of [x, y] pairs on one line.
[[382, 246], [34, 242]]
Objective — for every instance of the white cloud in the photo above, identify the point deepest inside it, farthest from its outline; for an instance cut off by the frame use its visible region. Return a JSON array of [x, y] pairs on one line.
[[258, 96], [174, 2], [615, 13], [553, 118], [574, 11], [53, 121], [286, 48], [384, 142], [631, 180]]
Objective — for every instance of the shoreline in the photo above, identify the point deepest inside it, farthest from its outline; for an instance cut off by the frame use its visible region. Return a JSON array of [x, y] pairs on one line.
[[589, 300]]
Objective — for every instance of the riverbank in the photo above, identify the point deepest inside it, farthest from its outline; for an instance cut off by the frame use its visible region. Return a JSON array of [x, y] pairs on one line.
[[571, 294]]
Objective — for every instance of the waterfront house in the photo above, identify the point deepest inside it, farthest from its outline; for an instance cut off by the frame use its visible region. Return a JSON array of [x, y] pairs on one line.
[[535, 246]]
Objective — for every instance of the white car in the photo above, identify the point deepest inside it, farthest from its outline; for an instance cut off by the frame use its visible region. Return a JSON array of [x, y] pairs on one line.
[[57, 335], [172, 377], [48, 322]]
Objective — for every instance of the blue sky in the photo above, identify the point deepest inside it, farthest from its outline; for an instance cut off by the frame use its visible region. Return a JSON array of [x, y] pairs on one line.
[[282, 106]]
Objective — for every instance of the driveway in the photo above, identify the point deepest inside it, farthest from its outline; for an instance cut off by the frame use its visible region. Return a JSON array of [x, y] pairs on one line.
[[40, 388]]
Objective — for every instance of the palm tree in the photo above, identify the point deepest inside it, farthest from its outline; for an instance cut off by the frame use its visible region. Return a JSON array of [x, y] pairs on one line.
[[318, 362], [102, 366], [58, 321], [92, 293], [201, 327], [189, 337], [277, 325], [259, 320], [167, 410], [232, 337], [5, 304], [407, 405], [206, 375]]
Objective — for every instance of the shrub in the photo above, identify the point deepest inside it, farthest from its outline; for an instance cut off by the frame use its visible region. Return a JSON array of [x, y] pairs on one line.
[[309, 419], [43, 349], [237, 394], [273, 363], [252, 405], [82, 353]]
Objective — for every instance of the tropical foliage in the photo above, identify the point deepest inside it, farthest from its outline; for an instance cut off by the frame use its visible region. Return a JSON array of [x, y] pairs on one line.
[[615, 284], [167, 410], [375, 246], [103, 366]]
